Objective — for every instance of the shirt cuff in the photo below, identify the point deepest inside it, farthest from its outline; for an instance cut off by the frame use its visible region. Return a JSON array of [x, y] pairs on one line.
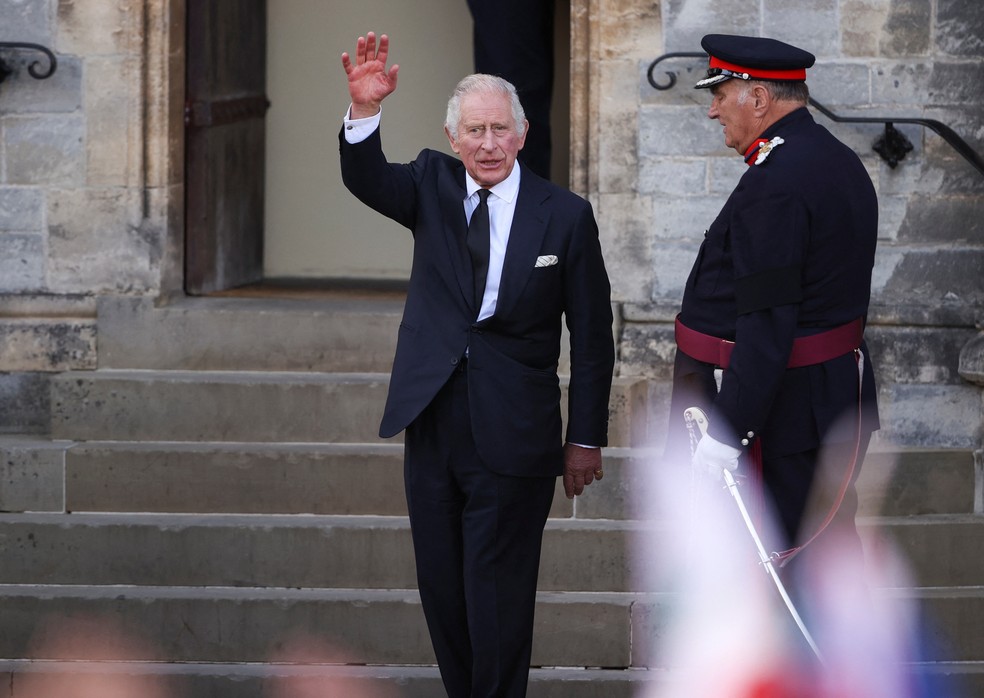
[[357, 130], [582, 445]]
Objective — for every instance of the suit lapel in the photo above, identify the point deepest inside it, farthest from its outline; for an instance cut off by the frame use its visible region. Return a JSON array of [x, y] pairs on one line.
[[525, 240], [451, 191]]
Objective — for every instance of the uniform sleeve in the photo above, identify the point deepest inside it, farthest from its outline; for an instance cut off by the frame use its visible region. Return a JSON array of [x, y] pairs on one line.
[[769, 236]]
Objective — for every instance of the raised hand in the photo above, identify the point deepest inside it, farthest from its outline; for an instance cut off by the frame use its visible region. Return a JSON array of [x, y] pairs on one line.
[[369, 81]]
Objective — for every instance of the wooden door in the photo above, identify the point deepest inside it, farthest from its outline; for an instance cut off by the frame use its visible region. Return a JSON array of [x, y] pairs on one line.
[[225, 111]]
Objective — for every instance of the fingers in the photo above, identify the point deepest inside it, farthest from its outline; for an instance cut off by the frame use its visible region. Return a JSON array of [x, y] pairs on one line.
[[366, 48], [383, 51], [574, 484]]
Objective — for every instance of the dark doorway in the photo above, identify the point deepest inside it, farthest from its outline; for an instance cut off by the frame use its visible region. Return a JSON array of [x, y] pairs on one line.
[[225, 108]]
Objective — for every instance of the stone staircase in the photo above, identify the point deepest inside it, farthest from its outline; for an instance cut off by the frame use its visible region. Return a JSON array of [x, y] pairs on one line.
[[212, 514]]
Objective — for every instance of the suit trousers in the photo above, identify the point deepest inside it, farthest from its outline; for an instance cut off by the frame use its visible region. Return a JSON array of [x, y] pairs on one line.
[[477, 538]]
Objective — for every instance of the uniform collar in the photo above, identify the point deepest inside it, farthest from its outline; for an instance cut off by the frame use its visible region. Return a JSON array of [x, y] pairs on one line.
[[776, 129]]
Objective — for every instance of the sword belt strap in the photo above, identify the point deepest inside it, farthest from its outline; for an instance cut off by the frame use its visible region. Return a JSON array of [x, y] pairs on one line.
[[807, 351]]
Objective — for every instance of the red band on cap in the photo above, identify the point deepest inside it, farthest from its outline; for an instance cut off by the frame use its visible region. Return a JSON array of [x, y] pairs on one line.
[[795, 74]]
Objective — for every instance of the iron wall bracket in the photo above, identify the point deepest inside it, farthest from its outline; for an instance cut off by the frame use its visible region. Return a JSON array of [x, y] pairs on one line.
[[35, 69]]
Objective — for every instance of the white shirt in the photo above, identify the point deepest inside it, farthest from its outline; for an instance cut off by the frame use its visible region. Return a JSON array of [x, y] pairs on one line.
[[502, 208]]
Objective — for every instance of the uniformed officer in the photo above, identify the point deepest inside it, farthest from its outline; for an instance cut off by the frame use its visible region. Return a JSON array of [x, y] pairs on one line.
[[777, 298]]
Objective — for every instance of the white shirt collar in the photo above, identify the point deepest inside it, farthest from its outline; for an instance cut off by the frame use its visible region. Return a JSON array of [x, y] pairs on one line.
[[507, 189]]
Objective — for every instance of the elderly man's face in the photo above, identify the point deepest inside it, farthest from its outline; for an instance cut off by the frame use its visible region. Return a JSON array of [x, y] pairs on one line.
[[487, 141], [731, 104]]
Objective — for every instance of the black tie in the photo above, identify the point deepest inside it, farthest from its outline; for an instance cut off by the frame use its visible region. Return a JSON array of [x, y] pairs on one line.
[[478, 245]]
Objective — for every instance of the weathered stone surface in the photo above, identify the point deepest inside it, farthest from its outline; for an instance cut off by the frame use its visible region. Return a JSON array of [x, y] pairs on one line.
[[960, 27], [25, 21], [626, 28], [47, 344], [627, 243], [684, 218], [682, 131], [686, 21], [812, 26], [971, 363], [968, 122], [861, 24], [723, 175], [45, 149], [32, 475], [24, 403], [109, 138], [834, 84], [943, 219], [648, 350], [937, 416], [21, 209], [96, 28], [21, 256], [673, 176], [94, 246], [934, 276], [900, 84], [59, 93], [955, 83], [916, 354], [907, 27]]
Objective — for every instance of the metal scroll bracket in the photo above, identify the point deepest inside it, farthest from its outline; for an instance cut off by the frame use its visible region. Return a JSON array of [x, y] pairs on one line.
[[35, 69], [892, 145]]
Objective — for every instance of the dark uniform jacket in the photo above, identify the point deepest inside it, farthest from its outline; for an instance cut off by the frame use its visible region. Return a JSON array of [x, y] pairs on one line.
[[789, 255], [513, 386]]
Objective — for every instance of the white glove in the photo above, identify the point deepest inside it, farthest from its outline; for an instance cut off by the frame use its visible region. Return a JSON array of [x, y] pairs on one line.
[[713, 457]]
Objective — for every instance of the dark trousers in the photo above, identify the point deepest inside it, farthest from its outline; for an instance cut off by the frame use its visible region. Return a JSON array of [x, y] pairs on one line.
[[803, 488], [476, 538]]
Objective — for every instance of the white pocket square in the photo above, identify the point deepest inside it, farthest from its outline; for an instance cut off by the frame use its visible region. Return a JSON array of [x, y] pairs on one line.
[[547, 260]]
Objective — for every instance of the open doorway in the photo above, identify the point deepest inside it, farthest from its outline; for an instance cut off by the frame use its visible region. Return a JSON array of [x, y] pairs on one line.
[[309, 227]]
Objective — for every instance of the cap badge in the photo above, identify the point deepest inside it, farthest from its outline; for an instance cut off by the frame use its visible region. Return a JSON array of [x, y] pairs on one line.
[[764, 149]]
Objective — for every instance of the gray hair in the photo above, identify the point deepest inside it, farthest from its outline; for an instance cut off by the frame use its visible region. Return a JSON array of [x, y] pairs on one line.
[[779, 90], [487, 84]]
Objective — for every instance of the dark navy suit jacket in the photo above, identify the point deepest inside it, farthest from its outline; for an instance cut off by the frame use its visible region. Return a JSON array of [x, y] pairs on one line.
[[513, 387]]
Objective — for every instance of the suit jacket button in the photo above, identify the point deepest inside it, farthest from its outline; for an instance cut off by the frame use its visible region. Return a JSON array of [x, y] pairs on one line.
[[454, 360]]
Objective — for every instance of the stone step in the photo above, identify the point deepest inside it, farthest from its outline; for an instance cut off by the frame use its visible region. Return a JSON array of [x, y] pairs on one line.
[[252, 625], [379, 627], [917, 481], [941, 550], [320, 478], [315, 675], [375, 551], [349, 552], [295, 479], [344, 332], [217, 406], [325, 331], [953, 617], [279, 680], [140, 405]]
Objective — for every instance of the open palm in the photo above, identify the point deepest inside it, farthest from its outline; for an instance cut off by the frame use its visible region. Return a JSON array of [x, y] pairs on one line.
[[369, 81]]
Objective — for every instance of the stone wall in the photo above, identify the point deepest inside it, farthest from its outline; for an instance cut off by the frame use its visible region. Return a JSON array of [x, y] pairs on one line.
[[659, 172], [90, 194]]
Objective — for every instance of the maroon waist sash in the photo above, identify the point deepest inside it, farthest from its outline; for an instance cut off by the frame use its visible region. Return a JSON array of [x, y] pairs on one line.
[[807, 351]]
